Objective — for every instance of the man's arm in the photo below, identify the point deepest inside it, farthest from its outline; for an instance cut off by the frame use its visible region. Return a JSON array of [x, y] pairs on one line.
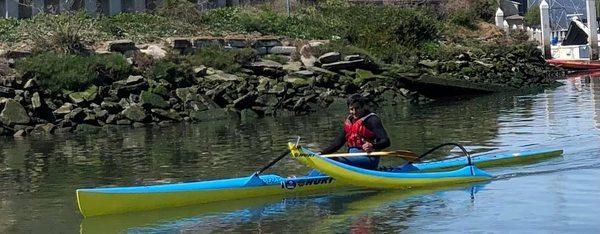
[[337, 143], [381, 140]]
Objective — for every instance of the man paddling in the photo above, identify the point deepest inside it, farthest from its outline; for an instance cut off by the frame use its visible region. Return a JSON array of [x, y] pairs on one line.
[[362, 132]]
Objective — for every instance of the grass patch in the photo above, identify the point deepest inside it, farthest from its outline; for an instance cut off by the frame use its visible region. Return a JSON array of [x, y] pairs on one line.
[[58, 72]]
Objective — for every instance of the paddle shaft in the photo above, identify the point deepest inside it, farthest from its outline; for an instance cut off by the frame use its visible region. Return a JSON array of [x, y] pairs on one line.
[[407, 155], [283, 154]]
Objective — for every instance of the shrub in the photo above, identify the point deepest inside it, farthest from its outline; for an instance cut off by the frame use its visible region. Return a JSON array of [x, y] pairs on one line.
[[64, 33], [532, 16], [181, 10], [58, 72], [217, 57]]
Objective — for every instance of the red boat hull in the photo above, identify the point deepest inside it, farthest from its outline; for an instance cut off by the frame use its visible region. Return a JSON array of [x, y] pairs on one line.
[[576, 64]]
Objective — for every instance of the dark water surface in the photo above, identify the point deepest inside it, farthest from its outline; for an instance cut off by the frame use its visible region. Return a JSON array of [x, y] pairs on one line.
[[39, 174]]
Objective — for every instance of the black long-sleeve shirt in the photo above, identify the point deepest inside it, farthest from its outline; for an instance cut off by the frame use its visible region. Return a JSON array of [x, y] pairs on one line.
[[373, 123]]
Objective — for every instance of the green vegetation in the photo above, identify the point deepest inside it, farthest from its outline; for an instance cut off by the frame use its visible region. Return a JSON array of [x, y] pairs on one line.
[[227, 60], [58, 72], [532, 17]]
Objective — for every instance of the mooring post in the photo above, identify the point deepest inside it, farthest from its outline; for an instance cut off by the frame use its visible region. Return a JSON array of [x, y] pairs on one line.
[[545, 20], [593, 26], [499, 18]]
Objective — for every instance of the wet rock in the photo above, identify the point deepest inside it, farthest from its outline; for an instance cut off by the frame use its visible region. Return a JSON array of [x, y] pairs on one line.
[[138, 125], [14, 113], [135, 113], [330, 57], [150, 100], [45, 128], [163, 114], [87, 128], [245, 101], [112, 119]]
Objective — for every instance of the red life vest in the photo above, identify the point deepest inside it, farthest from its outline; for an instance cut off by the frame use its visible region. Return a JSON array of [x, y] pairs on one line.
[[356, 133]]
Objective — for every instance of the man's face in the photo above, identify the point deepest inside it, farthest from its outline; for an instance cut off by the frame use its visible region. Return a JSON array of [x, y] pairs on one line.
[[356, 111]]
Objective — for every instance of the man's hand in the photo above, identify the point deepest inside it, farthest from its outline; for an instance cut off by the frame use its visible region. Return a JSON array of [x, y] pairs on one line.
[[367, 147]]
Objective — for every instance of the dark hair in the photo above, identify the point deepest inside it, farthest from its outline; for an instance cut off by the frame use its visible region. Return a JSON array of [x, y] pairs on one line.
[[356, 98]]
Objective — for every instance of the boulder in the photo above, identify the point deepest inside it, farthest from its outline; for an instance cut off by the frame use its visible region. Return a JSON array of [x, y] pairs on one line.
[[87, 128], [352, 57], [308, 61], [179, 43], [7, 92], [150, 100], [349, 65], [155, 51], [30, 84], [64, 109], [330, 57], [200, 71], [76, 115], [121, 46], [244, 101], [163, 114], [45, 128], [111, 107], [222, 76], [134, 113], [285, 50], [14, 113], [292, 66], [88, 95], [36, 101], [134, 80], [267, 42], [304, 73], [237, 43], [296, 81]]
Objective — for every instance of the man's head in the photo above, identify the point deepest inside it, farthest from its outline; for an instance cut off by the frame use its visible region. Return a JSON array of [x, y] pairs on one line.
[[357, 106]]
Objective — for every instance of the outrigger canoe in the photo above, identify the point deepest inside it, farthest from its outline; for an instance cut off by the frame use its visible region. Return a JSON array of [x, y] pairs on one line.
[[114, 200], [386, 179]]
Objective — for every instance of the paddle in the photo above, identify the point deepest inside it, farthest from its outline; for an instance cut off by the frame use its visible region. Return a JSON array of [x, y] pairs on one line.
[[404, 154], [283, 154]]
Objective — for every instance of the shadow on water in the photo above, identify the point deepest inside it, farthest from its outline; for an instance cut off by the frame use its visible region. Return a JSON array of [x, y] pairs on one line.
[[252, 215]]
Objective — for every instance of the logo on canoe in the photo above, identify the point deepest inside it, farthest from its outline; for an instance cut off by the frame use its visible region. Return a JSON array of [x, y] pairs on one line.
[[294, 183]]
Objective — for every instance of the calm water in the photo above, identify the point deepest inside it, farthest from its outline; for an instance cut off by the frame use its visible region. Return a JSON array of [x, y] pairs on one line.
[[39, 174]]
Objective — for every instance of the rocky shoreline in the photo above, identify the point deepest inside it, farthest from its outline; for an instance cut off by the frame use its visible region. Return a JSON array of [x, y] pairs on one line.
[[300, 85]]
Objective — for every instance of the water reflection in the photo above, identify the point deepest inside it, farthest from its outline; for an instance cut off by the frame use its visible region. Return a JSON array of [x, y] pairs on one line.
[[39, 174], [354, 210]]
